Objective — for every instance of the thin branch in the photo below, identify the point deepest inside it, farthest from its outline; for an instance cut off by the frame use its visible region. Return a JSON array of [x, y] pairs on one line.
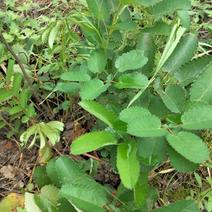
[[26, 77]]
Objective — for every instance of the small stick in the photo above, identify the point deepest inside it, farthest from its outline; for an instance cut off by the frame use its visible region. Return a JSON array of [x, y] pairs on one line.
[[26, 77]]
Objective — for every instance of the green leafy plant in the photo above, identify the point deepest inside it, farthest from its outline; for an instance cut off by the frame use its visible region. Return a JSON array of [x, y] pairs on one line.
[[135, 65], [44, 131], [168, 83]]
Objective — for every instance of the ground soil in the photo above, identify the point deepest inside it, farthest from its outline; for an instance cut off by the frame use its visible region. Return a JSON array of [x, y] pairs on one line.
[[16, 167]]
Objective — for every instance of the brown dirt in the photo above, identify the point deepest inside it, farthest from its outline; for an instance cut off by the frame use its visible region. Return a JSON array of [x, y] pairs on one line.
[[15, 167]]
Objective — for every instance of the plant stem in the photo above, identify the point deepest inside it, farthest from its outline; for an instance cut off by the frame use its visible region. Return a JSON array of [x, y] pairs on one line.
[[26, 77]]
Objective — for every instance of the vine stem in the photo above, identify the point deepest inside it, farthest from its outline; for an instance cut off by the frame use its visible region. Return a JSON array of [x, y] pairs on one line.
[[26, 77]]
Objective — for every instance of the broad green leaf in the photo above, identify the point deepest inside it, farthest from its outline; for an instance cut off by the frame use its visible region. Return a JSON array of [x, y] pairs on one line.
[[75, 75], [102, 113], [190, 71], [53, 34], [99, 9], [92, 141], [67, 87], [182, 53], [201, 90], [134, 80], [197, 117], [165, 7], [97, 61], [157, 107], [141, 190], [180, 163], [141, 122], [189, 146], [179, 206], [146, 43], [50, 192], [153, 150], [65, 206], [131, 60], [92, 89], [84, 197], [67, 171], [40, 176], [77, 187], [184, 18], [128, 164], [174, 98], [148, 3], [52, 173]]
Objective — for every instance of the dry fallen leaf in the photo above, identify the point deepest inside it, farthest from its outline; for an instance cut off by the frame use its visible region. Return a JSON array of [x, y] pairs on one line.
[[8, 171]]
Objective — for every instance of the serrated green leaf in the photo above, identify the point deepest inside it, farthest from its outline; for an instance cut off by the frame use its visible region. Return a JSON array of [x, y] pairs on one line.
[[67, 87], [84, 197], [174, 98], [197, 117], [153, 149], [157, 107], [75, 75], [102, 113], [190, 71], [131, 60], [146, 43], [99, 9], [180, 163], [128, 164], [201, 90], [77, 187], [97, 61], [141, 123], [165, 7], [189, 146], [92, 141], [92, 89], [65, 206], [179, 206], [134, 80], [182, 53]]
